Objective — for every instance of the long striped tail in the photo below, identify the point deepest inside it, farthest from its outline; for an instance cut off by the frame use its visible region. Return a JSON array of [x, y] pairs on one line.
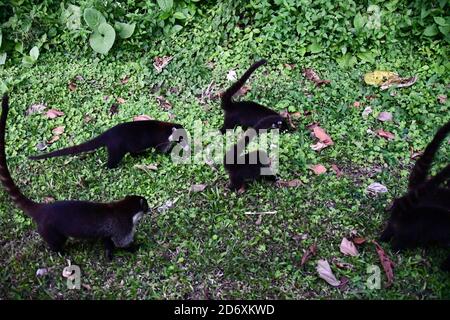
[[17, 196]]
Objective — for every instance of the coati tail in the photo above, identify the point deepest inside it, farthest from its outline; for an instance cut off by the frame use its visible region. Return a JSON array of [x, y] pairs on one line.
[[84, 147], [228, 94], [19, 199], [421, 168]]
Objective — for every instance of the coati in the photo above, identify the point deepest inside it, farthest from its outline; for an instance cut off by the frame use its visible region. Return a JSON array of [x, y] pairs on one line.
[[114, 222], [247, 166], [129, 137], [248, 113], [422, 216]]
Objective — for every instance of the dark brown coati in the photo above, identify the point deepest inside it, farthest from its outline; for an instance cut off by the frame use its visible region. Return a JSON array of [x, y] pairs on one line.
[[422, 216], [129, 137], [114, 222], [242, 167], [248, 113]]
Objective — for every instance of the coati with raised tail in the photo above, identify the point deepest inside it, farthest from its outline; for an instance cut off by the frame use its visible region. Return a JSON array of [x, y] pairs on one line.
[[422, 216], [242, 167], [114, 222], [248, 113], [129, 137]]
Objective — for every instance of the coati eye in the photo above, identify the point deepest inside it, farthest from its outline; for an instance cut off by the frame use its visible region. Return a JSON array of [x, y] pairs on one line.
[[280, 123]]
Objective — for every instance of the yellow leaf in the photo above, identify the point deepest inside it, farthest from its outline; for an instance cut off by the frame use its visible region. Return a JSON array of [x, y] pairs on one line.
[[378, 77]]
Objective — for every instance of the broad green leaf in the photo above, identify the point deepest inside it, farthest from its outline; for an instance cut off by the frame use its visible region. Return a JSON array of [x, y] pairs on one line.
[[93, 18], [440, 21], [346, 61], [176, 28], [431, 31], [72, 17], [179, 15], [28, 61], [2, 58], [3, 87], [18, 47], [103, 38], [165, 5], [445, 30], [367, 56], [124, 30], [314, 47], [34, 53], [359, 22]]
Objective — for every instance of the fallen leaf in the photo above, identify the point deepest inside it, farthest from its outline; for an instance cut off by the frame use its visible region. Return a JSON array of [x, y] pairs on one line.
[[336, 170], [142, 117], [359, 240], [120, 100], [163, 103], [114, 109], [318, 146], [147, 167], [197, 187], [324, 270], [125, 80], [311, 75], [289, 184], [231, 75], [377, 77], [386, 262], [377, 188], [318, 169], [398, 82], [385, 116], [290, 66], [442, 98], [311, 251], [344, 281], [87, 119], [356, 104], [86, 286], [53, 139], [72, 86], [53, 113], [342, 265], [161, 62], [385, 134], [41, 272], [323, 137], [58, 130], [366, 112], [348, 248], [415, 155], [35, 108]]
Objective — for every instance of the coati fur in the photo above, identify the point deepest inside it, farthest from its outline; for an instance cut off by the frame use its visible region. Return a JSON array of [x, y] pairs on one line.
[[248, 113], [129, 137], [422, 216], [243, 167], [114, 222]]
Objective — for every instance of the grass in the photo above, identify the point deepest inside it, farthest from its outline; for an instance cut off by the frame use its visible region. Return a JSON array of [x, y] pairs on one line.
[[205, 246]]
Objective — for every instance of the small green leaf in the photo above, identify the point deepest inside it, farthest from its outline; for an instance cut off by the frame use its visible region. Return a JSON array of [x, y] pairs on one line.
[[431, 31], [102, 39], [19, 47], [314, 47], [179, 15], [165, 5], [359, 21], [28, 61], [367, 56], [445, 30], [176, 28], [124, 30], [93, 18], [34, 53]]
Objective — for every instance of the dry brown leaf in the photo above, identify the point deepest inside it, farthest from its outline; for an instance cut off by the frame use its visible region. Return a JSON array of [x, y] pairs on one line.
[[386, 262], [197, 187], [385, 116], [35, 108], [342, 265], [161, 62], [311, 75], [87, 119], [147, 167], [163, 103], [53, 139], [398, 82], [311, 251], [120, 100], [325, 272], [290, 66], [318, 169], [356, 104], [323, 137], [289, 184], [142, 117], [318, 146], [442, 98], [72, 86], [54, 113], [348, 248], [336, 170], [125, 80], [359, 240], [385, 134], [376, 188]]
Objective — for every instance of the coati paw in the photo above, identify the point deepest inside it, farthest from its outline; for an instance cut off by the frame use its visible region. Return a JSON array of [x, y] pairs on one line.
[[241, 190]]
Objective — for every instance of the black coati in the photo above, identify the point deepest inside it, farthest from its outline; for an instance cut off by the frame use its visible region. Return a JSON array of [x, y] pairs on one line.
[[422, 216], [248, 113], [114, 222], [242, 167], [129, 137]]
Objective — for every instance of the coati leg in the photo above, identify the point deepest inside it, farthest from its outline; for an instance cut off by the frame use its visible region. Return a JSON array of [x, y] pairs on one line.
[[109, 248], [229, 123], [236, 183], [164, 148], [115, 155], [54, 239]]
